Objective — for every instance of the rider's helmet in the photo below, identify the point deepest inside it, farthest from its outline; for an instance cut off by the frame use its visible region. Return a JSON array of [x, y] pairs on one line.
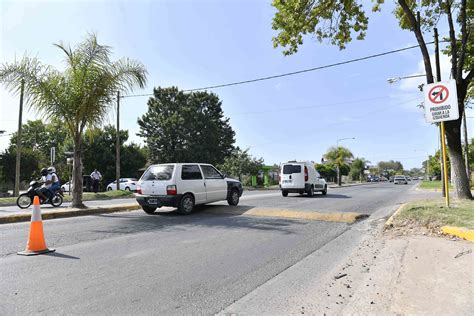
[[44, 172], [51, 170]]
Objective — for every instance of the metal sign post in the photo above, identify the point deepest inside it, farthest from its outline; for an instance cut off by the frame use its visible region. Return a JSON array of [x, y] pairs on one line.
[[445, 164]]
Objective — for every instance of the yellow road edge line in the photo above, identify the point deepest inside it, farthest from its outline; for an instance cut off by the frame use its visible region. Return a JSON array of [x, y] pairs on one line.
[[459, 232]]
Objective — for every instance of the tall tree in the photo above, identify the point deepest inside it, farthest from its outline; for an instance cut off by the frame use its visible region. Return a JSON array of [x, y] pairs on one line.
[[80, 96], [240, 162], [186, 127], [99, 153], [338, 21], [338, 156]]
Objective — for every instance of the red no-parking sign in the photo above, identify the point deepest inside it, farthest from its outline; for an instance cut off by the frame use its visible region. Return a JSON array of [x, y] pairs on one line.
[[441, 102]]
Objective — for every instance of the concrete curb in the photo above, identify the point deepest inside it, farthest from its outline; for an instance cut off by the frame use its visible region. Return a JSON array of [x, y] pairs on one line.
[[389, 222], [459, 232], [87, 200], [25, 217], [335, 186]]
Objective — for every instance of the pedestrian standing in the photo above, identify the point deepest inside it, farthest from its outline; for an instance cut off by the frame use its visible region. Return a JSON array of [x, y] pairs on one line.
[[95, 176]]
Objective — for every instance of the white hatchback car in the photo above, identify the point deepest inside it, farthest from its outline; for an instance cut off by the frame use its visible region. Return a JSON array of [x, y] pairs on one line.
[[184, 185], [128, 184]]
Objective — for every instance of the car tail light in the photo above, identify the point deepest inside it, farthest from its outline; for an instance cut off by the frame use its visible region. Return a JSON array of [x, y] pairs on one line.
[[139, 190], [171, 190], [306, 174]]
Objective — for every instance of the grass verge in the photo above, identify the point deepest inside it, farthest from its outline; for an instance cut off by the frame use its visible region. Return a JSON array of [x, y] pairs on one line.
[[87, 196], [433, 214], [432, 185]]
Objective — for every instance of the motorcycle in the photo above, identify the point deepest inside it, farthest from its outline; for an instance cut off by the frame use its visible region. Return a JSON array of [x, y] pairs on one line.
[[24, 200]]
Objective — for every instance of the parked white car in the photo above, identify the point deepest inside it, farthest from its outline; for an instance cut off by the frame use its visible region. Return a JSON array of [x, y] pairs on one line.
[[184, 185], [301, 177], [128, 184]]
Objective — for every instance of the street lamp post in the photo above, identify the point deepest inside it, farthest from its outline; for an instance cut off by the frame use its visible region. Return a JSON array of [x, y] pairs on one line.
[[337, 165]]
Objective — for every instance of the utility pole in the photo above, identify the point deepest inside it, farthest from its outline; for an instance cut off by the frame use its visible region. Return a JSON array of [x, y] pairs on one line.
[[442, 159], [16, 190], [117, 144]]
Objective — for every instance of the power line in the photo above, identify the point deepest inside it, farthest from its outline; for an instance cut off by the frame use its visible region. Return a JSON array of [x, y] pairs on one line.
[[289, 73]]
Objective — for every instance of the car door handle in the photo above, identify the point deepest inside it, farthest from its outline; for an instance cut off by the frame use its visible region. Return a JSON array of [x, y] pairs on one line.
[[204, 183]]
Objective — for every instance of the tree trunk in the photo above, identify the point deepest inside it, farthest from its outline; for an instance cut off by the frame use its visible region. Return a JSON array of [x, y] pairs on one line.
[[460, 179], [77, 174]]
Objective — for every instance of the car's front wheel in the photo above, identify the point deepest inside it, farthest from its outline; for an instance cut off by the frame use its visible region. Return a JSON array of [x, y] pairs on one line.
[[109, 189], [149, 209], [127, 189], [311, 192], [325, 191], [284, 193], [233, 198], [186, 205]]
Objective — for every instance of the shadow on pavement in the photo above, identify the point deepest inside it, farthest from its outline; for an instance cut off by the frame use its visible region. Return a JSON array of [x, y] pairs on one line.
[[60, 255], [214, 216], [320, 196]]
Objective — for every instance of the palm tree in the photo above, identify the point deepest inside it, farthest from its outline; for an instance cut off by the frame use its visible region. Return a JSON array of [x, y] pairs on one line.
[[338, 156], [80, 96], [358, 166]]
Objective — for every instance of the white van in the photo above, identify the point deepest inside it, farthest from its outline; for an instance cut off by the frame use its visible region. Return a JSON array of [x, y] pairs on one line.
[[184, 185], [301, 177]]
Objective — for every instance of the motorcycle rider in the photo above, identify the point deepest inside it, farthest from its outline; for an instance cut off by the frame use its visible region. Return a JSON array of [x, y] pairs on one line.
[[47, 180], [56, 185]]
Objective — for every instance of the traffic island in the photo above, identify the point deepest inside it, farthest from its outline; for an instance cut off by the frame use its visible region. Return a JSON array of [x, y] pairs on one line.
[[432, 217]]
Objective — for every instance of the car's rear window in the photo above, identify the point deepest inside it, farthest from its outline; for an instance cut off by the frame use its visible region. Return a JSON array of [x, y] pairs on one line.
[[159, 173], [289, 169]]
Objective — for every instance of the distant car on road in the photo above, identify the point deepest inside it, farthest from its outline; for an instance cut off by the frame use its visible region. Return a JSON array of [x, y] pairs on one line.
[[383, 179], [127, 184], [184, 185], [408, 178], [391, 178], [301, 177], [400, 180]]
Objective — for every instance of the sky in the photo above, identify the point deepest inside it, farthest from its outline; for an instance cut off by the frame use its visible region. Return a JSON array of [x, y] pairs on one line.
[[199, 43]]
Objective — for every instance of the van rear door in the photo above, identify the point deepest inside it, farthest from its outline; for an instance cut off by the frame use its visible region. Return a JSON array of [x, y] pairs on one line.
[[292, 176]]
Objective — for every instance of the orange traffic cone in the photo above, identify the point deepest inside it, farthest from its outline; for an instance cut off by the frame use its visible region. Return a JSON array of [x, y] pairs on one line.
[[36, 244]]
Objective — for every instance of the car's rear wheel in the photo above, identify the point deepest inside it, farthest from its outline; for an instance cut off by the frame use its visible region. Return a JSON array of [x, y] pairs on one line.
[[127, 189], [284, 193], [233, 198], [186, 205], [311, 191], [149, 209], [109, 189]]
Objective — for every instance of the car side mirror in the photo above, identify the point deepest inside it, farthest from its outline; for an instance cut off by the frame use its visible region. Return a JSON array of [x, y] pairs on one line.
[[224, 176]]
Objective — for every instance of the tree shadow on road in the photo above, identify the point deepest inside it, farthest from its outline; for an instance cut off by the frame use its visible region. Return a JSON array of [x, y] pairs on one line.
[[210, 216]]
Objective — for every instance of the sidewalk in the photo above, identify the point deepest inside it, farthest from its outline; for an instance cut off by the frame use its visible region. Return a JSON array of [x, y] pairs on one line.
[[368, 272], [416, 275]]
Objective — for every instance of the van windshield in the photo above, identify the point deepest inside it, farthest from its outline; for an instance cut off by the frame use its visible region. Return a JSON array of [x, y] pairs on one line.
[[160, 173], [289, 169]]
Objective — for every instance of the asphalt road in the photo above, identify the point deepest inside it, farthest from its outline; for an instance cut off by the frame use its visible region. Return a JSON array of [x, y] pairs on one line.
[[171, 264]]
